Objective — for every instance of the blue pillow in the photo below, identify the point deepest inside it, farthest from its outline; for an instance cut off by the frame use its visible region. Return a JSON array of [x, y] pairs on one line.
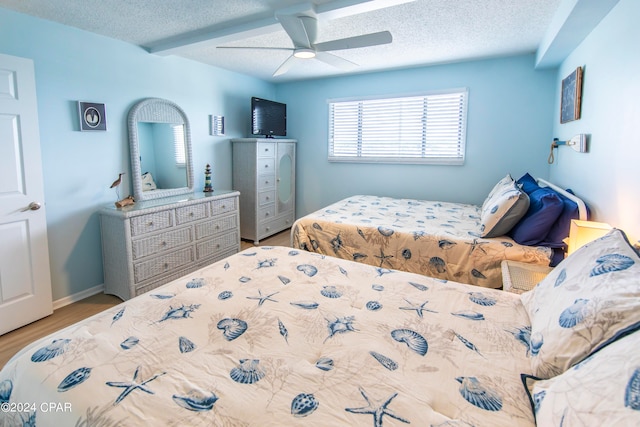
[[528, 183], [560, 230], [545, 206]]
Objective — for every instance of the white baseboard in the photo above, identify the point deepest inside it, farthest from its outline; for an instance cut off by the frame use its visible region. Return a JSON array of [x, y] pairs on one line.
[[59, 303]]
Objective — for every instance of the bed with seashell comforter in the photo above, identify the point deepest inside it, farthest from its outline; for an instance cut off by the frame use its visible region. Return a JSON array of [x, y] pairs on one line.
[[437, 239], [526, 220], [276, 336]]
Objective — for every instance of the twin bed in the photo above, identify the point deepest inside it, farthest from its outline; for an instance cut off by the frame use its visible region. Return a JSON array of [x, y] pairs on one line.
[[445, 240], [275, 336]]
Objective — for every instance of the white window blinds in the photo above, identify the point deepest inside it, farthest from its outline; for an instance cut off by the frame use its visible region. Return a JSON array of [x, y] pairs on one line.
[[428, 128]]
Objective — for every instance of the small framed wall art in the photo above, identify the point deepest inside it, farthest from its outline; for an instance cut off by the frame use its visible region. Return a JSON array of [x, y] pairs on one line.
[[92, 116], [571, 96]]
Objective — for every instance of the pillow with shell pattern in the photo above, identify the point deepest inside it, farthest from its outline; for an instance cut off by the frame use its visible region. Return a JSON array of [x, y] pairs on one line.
[[591, 297], [499, 186], [604, 389], [503, 208]]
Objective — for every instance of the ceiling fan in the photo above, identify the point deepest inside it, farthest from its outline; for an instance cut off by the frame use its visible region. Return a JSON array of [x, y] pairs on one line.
[[303, 30]]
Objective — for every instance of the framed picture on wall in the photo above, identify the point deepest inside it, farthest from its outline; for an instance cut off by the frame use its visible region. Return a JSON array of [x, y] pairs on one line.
[[571, 96], [92, 116]]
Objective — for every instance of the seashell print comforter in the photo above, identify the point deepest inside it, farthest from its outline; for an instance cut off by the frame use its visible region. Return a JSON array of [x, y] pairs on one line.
[[437, 239], [276, 336]]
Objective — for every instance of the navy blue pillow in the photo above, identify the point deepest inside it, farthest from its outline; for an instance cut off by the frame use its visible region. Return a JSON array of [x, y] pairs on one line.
[[545, 206], [560, 230], [528, 183]]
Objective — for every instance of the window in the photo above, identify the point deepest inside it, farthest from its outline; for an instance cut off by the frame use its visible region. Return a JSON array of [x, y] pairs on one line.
[[426, 128], [178, 145]]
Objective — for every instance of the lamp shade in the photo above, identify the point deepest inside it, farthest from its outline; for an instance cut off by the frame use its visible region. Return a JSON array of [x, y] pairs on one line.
[[583, 232]]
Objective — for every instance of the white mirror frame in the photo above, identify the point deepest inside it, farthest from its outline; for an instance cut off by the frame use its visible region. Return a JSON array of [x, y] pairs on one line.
[[157, 110]]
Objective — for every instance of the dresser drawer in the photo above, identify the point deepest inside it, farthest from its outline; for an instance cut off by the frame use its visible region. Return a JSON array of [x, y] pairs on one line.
[[266, 166], [151, 222], [224, 205], [191, 213], [266, 197], [266, 149], [266, 213], [266, 181], [267, 228], [162, 264], [211, 247], [161, 242], [216, 226]]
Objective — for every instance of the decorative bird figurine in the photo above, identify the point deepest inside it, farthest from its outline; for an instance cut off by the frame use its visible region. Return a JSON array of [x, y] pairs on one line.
[[116, 183]]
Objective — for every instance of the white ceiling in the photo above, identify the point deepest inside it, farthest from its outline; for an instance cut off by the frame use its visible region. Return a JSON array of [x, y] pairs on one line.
[[425, 32]]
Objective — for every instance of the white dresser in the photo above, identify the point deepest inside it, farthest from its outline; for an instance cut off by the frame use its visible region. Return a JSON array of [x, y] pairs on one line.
[[156, 241], [264, 173]]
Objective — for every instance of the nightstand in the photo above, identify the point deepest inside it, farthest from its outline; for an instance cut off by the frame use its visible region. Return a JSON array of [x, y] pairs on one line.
[[519, 277]]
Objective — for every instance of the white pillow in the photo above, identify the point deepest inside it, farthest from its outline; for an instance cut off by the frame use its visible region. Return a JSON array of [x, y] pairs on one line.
[[590, 297], [496, 188], [602, 390], [503, 208], [147, 182]]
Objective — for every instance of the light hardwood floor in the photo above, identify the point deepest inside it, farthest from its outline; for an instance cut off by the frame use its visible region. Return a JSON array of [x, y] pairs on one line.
[[13, 341]]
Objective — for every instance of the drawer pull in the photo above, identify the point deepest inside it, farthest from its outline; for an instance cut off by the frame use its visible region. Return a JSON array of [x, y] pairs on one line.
[[266, 214], [164, 243], [224, 206], [190, 213], [150, 224], [268, 228], [217, 227], [166, 265], [266, 166], [267, 197]]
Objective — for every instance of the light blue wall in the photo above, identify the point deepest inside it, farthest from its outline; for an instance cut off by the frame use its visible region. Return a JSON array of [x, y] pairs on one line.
[[513, 114], [606, 176], [509, 128], [73, 65]]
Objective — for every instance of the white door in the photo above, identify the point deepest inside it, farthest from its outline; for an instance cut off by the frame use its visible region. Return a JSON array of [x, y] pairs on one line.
[[25, 279]]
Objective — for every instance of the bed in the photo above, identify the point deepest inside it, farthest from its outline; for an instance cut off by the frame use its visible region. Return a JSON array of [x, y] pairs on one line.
[[274, 336], [450, 241]]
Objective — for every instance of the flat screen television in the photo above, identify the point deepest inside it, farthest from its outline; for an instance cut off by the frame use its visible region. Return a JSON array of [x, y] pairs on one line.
[[268, 118]]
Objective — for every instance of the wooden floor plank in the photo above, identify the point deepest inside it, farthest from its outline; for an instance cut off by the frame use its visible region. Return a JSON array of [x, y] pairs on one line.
[[12, 342]]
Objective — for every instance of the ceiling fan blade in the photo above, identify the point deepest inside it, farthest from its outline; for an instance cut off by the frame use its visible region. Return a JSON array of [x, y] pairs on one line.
[[255, 47], [336, 61], [366, 40], [301, 29], [285, 66]]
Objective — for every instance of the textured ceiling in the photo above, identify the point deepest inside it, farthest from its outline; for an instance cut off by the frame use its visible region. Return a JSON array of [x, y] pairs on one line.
[[424, 32]]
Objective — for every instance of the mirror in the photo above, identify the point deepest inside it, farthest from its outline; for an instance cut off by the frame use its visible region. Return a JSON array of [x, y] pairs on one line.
[[284, 179], [160, 145]]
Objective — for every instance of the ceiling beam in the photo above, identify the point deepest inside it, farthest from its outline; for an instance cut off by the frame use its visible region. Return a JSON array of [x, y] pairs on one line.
[[572, 22], [224, 34]]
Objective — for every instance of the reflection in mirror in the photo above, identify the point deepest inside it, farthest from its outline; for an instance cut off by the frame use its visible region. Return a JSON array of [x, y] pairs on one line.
[[162, 155], [284, 179], [160, 144]]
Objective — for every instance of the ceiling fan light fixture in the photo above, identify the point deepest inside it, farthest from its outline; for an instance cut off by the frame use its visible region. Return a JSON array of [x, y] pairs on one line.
[[304, 53]]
